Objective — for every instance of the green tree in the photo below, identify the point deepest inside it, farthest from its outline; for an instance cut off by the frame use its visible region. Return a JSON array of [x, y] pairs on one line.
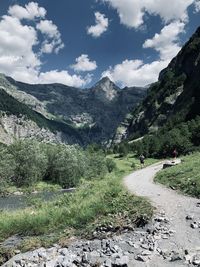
[[30, 160], [68, 165], [123, 150], [7, 168]]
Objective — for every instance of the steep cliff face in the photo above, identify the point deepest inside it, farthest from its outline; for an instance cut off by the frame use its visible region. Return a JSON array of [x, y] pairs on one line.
[[175, 97], [93, 113], [13, 128], [17, 120]]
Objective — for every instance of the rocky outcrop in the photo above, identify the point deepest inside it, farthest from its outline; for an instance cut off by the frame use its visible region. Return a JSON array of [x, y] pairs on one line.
[[13, 128]]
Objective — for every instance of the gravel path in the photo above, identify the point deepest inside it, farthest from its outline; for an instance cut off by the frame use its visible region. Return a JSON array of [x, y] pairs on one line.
[[176, 207]]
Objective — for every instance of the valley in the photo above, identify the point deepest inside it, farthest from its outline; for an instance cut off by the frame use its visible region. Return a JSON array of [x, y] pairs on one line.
[[74, 191], [70, 115]]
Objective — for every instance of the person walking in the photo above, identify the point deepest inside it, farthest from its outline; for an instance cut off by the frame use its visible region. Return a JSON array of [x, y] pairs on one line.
[[175, 154], [142, 158]]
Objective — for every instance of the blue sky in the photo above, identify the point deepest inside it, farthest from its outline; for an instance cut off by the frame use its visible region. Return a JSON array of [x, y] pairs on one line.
[[76, 42]]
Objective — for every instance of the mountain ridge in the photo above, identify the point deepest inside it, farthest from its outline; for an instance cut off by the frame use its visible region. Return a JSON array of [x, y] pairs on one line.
[[93, 112], [174, 98]]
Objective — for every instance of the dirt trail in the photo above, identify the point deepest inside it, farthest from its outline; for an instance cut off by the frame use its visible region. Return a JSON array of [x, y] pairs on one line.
[[176, 207]]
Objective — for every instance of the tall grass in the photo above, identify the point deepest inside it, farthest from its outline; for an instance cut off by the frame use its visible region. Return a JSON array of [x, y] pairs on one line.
[[95, 201], [184, 177]]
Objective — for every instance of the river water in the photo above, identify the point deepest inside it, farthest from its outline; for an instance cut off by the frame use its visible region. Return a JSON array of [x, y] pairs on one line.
[[14, 202]]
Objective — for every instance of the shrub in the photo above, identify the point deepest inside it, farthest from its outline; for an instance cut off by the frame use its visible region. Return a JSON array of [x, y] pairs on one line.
[[123, 150], [111, 165], [96, 165], [30, 162], [7, 168], [66, 165]]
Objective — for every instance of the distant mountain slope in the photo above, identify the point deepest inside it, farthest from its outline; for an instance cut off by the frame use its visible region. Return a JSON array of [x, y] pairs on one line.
[[17, 120], [94, 113], [175, 97]]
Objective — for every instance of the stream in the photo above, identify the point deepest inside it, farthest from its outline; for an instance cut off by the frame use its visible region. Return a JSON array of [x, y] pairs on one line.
[[14, 202]]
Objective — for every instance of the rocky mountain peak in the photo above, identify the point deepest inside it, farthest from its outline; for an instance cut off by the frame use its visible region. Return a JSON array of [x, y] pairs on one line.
[[106, 84], [105, 89]]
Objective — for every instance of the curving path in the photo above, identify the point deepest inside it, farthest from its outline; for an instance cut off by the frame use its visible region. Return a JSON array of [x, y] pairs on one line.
[[176, 207]]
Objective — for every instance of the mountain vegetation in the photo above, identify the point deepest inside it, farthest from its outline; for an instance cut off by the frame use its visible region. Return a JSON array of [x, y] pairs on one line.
[[168, 117], [24, 163]]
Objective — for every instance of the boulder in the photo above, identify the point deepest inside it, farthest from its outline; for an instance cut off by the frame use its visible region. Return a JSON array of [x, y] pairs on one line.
[[170, 163]]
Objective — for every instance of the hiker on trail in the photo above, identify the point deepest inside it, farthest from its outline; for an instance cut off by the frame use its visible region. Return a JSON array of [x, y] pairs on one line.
[[175, 154], [142, 160]]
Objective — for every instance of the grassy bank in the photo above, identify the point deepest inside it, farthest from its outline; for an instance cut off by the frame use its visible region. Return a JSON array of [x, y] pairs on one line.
[[129, 163], [39, 187], [184, 177], [96, 202]]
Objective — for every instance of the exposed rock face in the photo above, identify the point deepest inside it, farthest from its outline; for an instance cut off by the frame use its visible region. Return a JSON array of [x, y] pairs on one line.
[[105, 90], [175, 97], [95, 112], [17, 120], [13, 127]]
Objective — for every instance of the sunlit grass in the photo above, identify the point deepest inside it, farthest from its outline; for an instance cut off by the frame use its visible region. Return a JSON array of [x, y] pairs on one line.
[[184, 177], [94, 201]]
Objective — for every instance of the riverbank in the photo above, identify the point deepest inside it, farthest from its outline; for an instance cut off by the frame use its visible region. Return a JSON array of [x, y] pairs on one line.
[[33, 189], [98, 208]]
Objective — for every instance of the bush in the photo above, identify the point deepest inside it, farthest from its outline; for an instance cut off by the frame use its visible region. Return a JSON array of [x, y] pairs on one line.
[[67, 165], [111, 165], [96, 165], [123, 150], [7, 168], [30, 162]]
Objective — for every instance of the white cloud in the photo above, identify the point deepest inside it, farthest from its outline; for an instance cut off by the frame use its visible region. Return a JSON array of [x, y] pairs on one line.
[[136, 72], [30, 11], [19, 42], [83, 63], [53, 42], [131, 12], [166, 42], [197, 6], [63, 77], [100, 27], [47, 27], [16, 46]]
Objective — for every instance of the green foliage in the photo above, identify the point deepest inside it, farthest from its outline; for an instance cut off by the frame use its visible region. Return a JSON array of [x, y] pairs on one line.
[[96, 165], [133, 165], [95, 202], [25, 163], [92, 148], [67, 164], [30, 162], [184, 137], [184, 177], [123, 149], [111, 165], [7, 168]]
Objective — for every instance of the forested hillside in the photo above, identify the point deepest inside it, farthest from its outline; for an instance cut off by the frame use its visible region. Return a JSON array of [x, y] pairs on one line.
[[169, 113]]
